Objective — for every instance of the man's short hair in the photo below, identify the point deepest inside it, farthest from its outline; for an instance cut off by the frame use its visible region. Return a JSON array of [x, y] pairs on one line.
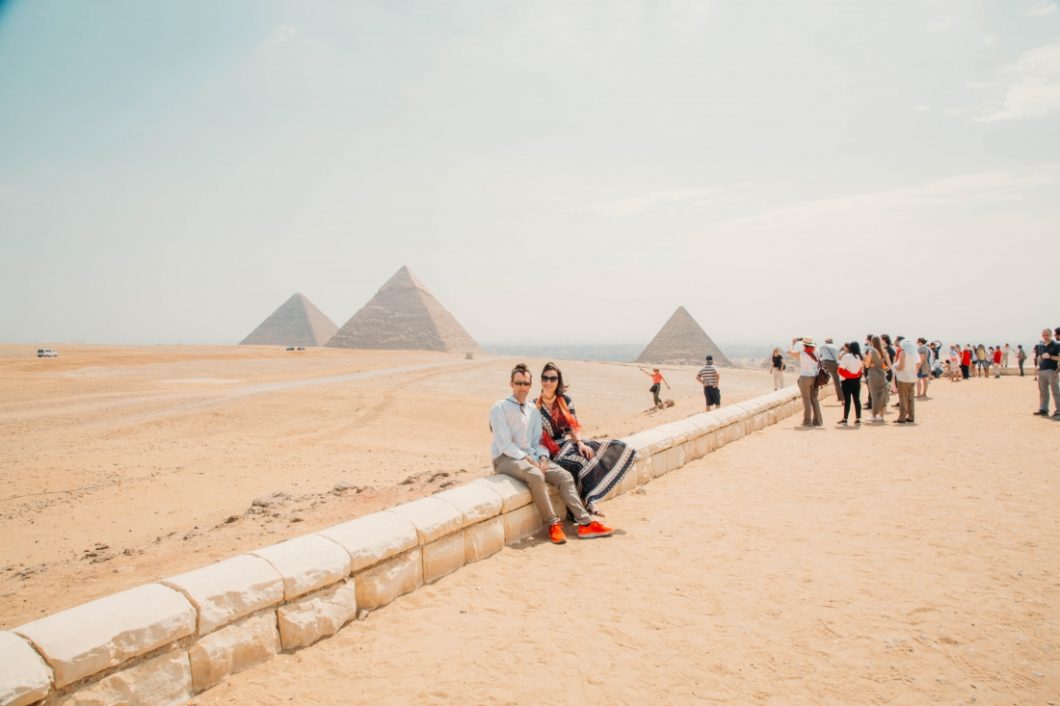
[[520, 368]]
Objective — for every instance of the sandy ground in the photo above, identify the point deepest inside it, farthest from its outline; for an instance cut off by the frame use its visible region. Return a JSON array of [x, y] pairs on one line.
[[120, 466], [885, 565]]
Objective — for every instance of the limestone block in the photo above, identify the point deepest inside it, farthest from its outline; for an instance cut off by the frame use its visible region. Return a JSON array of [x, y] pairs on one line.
[[513, 493], [443, 556], [24, 677], [650, 441], [89, 638], [663, 462], [161, 681], [321, 614], [386, 581], [233, 649], [484, 539], [226, 591], [306, 563], [706, 443], [521, 522], [432, 518], [476, 502], [645, 468], [373, 538]]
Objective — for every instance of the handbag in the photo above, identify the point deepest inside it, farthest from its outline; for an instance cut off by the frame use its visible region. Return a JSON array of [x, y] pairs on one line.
[[822, 375]]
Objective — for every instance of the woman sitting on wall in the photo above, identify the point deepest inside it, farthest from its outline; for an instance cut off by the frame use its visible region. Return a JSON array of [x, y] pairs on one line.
[[597, 466]]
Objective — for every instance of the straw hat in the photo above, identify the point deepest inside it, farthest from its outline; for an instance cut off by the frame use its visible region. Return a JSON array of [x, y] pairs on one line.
[[808, 342]]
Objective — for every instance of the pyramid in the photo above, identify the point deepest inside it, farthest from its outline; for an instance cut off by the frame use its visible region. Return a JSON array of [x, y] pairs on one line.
[[404, 315], [296, 323], [681, 340]]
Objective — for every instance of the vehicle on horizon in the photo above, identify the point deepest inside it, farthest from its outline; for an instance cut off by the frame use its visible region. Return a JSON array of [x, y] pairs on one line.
[[47, 353]]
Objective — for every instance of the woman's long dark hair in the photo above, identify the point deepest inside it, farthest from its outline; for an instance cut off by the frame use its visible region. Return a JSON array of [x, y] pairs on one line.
[[855, 349], [560, 387]]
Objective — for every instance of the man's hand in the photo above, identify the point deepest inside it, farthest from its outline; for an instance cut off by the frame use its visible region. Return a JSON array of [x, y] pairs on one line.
[[585, 450], [542, 463]]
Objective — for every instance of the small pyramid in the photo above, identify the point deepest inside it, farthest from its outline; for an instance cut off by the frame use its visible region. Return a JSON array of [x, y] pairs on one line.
[[403, 314], [682, 341], [296, 323]]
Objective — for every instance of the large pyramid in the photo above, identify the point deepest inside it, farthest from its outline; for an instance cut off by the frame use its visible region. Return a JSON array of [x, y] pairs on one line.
[[296, 323], [403, 314], [681, 340]]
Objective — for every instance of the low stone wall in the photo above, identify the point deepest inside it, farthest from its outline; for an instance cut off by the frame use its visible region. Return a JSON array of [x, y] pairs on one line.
[[164, 642]]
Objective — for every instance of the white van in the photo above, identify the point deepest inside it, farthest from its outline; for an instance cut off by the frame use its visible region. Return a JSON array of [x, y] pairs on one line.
[[47, 353]]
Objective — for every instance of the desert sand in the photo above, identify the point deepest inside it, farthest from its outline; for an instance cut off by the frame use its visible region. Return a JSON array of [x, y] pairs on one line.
[[897, 564], [121, 466]]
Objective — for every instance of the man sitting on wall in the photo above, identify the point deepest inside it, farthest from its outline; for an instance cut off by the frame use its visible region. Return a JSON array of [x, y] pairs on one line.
[[517, 452]]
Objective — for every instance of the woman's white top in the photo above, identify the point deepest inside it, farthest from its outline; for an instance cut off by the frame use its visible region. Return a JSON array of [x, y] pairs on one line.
[[850, 363]]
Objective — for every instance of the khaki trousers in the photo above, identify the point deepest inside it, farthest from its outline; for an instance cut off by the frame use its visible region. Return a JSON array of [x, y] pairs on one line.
[[811, 408], [906, 391], [522, 469], [832, 367]]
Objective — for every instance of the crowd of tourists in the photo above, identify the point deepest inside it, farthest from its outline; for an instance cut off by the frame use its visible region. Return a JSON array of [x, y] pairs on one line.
[[904, 368]]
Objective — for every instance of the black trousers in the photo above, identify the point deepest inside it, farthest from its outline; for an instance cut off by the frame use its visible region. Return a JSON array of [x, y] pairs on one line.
[[964, 372], [852, 389]]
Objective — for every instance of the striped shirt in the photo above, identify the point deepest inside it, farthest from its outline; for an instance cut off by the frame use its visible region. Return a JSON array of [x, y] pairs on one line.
[[708, 376]]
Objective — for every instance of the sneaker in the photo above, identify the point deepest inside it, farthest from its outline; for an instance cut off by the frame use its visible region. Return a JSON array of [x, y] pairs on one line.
[[842, 422], [555, 533], [900, 421], [594, 529], [857, 421], [1042, 413]]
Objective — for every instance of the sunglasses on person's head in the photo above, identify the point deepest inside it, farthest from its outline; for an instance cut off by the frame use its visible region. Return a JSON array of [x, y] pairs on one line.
[[550, 378], [520, 383]]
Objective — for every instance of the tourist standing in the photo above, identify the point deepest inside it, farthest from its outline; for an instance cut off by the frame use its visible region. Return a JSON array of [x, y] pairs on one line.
[[891, 354], [1021, 357], [709, 378], [876, 364], [997, 362], [966, 361], [850, 370], [1047, 375], [804, 350], [980, 361], [905, 371], [1004, 356], [657, 379], [777, 368], [830, 361], [923, 373]]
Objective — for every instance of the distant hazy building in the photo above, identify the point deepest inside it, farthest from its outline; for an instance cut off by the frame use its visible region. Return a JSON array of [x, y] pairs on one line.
[[403, 314], [296, 323], [682, 341]]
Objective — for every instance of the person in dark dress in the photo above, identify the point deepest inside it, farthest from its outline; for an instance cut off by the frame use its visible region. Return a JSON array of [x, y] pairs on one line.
[[597, 466]]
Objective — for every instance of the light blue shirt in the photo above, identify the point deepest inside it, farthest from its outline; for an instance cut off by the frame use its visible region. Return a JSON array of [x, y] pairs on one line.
[[829, 352], [516, 430]]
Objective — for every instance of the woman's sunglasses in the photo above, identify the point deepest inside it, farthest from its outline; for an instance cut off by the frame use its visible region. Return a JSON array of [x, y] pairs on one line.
[[550, 378]]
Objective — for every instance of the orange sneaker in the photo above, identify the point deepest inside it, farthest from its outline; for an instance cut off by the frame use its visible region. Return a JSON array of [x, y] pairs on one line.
[[555, 533], [594, 529]]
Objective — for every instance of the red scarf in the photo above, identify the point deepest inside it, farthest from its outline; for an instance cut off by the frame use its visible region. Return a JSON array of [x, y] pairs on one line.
[[561, 416]]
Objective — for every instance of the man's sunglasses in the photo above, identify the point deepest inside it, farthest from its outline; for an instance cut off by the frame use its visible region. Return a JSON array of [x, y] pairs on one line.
[[520, 383], [550, 378]]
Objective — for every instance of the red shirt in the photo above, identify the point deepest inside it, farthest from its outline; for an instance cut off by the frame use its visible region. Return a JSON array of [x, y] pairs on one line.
[[997, 356], [656, 378], [966, 357]]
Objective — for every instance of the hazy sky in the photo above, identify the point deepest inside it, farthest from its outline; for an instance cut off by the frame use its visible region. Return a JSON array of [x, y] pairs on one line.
[[553, 171]]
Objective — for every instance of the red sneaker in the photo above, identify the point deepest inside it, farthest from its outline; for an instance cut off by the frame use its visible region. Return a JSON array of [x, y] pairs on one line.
[[594, 529], [555, 533]]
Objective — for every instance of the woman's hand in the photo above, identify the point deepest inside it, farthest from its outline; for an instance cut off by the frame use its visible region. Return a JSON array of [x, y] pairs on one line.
[[585, 450]]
